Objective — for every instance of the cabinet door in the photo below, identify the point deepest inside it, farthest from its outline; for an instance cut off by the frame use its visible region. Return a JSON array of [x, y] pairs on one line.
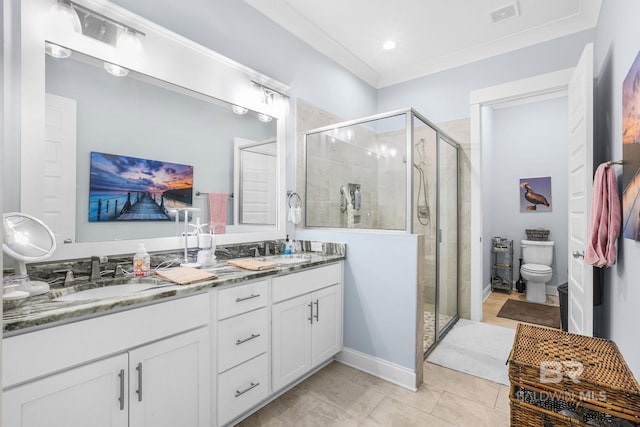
[[326, 339], [169, 383], [91, 395], [291, 329]]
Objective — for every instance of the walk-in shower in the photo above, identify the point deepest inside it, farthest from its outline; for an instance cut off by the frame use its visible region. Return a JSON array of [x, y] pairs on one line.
[[396, 172]]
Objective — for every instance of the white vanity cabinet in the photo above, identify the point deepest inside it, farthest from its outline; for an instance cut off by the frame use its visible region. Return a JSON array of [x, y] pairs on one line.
[[306, 322], [90, 395], [163, 383], [168, 382], [242, 349]]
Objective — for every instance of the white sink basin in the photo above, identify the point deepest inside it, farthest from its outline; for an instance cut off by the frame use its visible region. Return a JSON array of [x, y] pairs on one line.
[[114, 291]]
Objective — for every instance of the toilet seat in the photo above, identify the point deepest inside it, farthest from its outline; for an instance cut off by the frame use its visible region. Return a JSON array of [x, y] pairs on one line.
[[536, 268]]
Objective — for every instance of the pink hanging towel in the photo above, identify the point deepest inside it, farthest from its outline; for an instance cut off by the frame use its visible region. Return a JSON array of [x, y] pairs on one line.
[[604, 225], [218, 212]]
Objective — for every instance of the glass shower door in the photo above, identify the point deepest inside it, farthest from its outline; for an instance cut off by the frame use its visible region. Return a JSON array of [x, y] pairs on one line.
[[448, 235]]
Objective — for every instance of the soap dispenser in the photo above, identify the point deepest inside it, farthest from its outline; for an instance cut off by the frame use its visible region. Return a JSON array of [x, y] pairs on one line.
[[141, 262], [288, 246]]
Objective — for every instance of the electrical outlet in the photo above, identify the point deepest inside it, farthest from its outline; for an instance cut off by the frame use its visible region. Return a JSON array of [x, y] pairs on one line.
[[316, 246]]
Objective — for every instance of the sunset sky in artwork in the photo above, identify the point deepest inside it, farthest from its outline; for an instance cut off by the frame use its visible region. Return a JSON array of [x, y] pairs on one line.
[[113, 172], [631, 105]]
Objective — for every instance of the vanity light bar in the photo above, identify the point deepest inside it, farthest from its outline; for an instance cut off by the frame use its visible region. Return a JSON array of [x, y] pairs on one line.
[[101, 16], [267, 91]]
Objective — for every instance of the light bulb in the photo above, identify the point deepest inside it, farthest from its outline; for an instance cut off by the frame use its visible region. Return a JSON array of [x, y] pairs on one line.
[[65, 17], [264, 118], [239, 110], [115, 70], [56, 51], [129, 43]]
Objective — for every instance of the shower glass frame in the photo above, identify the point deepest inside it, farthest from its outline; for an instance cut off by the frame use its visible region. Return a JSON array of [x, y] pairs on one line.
[[410, 216]]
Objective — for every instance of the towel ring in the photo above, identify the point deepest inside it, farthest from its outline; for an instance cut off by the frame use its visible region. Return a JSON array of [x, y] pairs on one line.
[[297, 197]]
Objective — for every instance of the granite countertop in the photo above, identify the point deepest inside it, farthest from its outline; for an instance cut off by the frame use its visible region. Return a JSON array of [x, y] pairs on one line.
[[44, 311]]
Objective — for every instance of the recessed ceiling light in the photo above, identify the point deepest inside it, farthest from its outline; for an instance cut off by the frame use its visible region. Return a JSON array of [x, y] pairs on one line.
[[388, 45]]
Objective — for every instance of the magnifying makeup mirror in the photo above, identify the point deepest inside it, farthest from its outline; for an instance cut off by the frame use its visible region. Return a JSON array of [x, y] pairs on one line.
[[27, 239]]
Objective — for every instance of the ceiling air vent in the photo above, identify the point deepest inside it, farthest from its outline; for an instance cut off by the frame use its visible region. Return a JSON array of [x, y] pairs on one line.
[[505, 12]]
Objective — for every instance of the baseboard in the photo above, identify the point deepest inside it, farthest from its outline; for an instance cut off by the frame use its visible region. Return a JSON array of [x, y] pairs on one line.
[[388, 371], [486, 291]]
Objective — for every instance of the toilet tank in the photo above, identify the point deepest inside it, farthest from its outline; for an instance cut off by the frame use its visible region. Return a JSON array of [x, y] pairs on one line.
[[537, 252]]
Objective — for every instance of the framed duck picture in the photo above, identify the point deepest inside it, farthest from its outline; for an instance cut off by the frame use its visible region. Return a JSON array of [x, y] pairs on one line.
[[535, 194]]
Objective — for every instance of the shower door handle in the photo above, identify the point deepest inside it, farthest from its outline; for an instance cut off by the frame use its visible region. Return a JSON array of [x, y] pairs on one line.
[[577, 254]]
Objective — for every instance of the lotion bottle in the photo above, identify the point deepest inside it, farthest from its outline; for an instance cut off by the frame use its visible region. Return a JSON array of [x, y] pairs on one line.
[[141, 262]]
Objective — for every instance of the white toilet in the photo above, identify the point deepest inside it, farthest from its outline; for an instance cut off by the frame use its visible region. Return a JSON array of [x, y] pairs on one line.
[[537, 257]]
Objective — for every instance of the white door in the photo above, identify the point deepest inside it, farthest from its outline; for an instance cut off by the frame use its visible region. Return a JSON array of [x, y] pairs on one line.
[[326, 332], [59, 186], [580, 309], [91, 395], [255, 186], [291, 322], [169, 383]]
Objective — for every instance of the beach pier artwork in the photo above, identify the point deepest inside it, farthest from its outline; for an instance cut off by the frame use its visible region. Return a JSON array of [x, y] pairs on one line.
[[126, 188]]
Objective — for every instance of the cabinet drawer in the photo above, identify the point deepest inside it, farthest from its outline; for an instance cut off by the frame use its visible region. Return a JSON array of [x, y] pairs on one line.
[[241, 338], [292, 285], [240, 299], [241, 388]]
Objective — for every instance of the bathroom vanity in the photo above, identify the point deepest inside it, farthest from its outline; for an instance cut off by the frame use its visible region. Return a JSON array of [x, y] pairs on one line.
[[199, 355]]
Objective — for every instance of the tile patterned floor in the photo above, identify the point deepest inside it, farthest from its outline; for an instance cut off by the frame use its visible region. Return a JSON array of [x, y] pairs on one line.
[[342, 396], [430, 327]]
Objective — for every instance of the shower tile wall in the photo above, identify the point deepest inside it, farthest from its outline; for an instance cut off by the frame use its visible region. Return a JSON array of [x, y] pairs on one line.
[[332, 164], [361, 158], [310, 117]]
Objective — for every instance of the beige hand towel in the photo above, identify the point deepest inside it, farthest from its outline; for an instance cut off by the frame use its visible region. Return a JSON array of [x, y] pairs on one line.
[[185, 275], [253, 264]]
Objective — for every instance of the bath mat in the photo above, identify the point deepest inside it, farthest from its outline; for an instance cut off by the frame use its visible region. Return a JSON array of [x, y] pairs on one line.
[[538, 314], [475, 348]]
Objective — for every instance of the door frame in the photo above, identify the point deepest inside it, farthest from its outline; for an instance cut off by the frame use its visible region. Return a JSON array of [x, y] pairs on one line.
[[525, 90]]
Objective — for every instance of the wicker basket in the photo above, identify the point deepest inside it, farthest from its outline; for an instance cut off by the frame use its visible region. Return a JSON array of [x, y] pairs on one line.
[[603, 393], [539, 234]]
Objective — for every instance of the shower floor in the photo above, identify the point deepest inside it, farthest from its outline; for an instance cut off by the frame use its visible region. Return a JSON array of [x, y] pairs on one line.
[[430, 327]]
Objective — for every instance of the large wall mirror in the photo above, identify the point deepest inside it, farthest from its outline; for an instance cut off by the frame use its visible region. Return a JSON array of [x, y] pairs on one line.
[[136, 138], [165, 135]]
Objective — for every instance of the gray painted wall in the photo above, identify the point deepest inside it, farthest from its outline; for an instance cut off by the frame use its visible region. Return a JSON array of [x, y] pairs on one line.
[[444, 96], [617, 44], [528, 141], [238, 31]]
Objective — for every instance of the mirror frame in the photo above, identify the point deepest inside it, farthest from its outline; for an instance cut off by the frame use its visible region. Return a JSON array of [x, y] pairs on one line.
[[217, 76]]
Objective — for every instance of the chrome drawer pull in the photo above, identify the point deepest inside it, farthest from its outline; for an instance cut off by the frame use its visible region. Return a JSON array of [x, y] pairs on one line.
[[310, 318], [139, 390], [253, 336], [252, 386], [246, 298], [317, 315], [121, 398]]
